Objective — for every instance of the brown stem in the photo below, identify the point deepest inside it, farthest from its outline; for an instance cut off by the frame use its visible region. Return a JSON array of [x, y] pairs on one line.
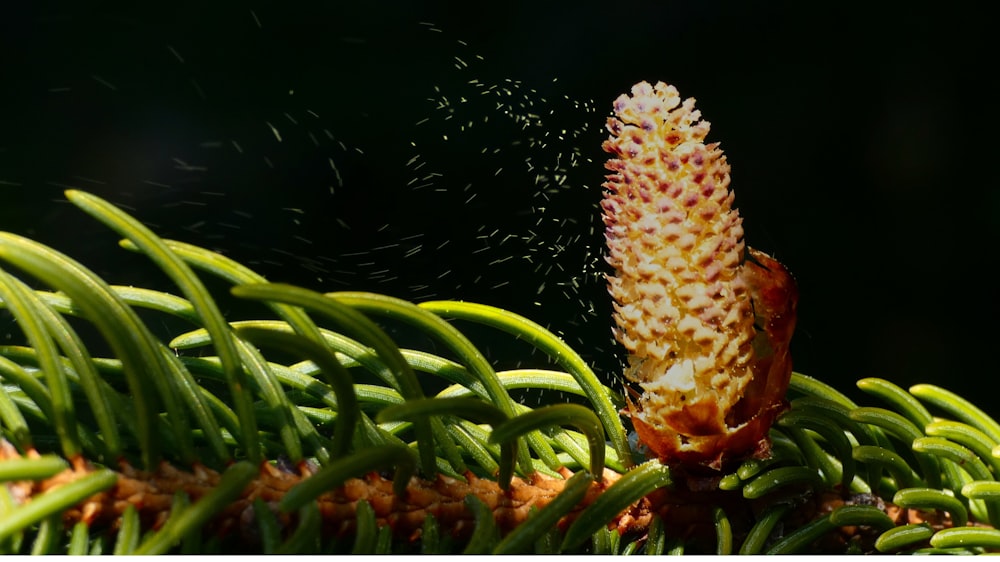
[[686, 507]]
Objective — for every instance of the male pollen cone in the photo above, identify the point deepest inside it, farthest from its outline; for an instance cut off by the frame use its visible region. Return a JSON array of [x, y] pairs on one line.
[[707, 327]]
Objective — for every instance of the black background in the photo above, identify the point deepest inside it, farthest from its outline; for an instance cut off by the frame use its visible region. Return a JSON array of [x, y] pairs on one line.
[[862, 140]]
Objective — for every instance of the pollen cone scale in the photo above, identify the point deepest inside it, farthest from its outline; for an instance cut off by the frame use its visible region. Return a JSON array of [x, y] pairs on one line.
[[706, 322]]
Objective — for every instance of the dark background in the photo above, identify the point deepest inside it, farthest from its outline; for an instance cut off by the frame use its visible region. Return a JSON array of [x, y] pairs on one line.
[[452, 150]]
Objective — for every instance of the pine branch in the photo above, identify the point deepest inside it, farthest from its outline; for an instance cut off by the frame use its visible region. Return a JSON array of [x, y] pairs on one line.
[[279, 434]]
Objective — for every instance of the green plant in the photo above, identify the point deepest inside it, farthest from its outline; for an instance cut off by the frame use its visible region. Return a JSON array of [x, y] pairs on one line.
[[195, 452], [140, 421]]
